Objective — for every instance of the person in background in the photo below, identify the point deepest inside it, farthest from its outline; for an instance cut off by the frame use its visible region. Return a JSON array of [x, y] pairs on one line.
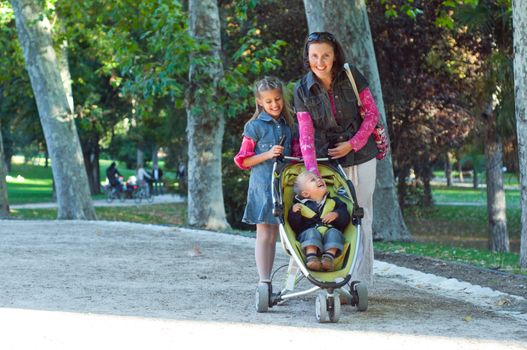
[[112, 174], [157, 178], [144, 179]]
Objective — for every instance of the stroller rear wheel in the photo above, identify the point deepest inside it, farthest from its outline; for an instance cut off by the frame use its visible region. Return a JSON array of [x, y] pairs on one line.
[[262, 297], [321, 308], [359, 293]]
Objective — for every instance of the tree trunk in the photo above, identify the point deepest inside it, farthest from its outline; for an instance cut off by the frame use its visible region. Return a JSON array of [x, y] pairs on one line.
[[497, 217], [348, 21], [448, 169], [426, 176], [91, 162], [459, 167], [4, 202], [519, 13], [55, 107], [205, 123], [155, 158], [140, 157], [402, 186]]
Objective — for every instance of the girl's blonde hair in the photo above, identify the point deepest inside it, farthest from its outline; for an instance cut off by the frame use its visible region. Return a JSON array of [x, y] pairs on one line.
[[272, 83]]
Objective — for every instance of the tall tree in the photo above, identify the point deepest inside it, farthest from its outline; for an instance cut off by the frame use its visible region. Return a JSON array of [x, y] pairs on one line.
[[48, 75], [519, 13], [491, 21], [349, 22], [496, 214], [4, 203], [205, 123]]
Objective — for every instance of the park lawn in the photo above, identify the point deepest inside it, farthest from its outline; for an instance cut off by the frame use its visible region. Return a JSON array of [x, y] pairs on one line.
[[478, 257], [29, 184], [458, 226], [443, 194], [157, 214], [32, 183]]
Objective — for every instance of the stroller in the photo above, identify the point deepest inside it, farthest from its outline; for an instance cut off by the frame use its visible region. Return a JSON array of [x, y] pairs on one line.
[[332, 287]]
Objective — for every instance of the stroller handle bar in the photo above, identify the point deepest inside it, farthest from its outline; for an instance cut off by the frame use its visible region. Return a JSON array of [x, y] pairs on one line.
[[300, 159]]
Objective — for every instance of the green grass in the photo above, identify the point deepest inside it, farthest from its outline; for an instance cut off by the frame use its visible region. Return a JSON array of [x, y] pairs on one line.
[[470, 195], [30, 184], [158, 214], [444, 222], [503, 261]]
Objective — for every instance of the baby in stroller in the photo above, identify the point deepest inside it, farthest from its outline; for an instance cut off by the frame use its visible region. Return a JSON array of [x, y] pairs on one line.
[[318, 220]]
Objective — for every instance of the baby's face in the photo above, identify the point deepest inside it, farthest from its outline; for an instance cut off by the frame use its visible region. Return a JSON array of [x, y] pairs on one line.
[[313, 187]]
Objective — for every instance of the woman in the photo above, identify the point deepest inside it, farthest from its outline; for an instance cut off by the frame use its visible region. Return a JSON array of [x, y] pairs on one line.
[[331, 124]]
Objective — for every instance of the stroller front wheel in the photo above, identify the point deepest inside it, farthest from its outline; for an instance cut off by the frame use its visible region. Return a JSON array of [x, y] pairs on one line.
[[262, 297]]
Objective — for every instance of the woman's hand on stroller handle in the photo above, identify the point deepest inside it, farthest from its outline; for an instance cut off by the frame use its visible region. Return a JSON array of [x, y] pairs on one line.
[[340, 150]]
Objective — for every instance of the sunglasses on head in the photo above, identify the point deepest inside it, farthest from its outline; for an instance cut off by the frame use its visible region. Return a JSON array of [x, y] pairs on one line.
[[321, 36]]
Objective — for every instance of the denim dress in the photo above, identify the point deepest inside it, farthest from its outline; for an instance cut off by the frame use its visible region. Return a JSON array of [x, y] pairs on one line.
[[266, 132]]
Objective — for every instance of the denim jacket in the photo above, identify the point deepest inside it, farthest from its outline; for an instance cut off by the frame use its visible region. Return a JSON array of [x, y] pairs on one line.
[[311, 97], [266, 132]]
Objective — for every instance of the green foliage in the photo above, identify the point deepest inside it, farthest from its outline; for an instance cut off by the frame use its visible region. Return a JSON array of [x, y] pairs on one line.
[[394, 9]]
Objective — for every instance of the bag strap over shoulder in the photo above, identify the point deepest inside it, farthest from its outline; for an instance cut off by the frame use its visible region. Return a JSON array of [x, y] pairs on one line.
[[353, 84]]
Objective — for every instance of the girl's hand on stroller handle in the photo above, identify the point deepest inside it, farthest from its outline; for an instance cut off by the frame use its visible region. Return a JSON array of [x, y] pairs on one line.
[[275, 151]]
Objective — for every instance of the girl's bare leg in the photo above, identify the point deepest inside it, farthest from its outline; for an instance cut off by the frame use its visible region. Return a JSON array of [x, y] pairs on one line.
[[265, 250]]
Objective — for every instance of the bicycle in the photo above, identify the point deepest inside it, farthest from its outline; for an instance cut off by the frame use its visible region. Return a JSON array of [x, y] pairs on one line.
[[143, 192], [114, 193]]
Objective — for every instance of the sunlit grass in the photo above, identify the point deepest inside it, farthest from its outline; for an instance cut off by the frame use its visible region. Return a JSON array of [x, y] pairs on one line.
[[159, 214], [472, 256], [444, 194]]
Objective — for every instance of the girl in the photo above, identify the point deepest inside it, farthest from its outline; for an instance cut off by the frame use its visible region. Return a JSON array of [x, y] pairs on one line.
[[271, 121]]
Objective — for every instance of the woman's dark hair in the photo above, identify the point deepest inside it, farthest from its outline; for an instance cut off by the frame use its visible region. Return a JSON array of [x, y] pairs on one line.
[[328, 38]]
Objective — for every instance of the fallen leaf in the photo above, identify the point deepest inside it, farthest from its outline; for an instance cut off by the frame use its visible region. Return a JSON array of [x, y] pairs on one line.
[[503, 302], [467, 318], [195, 251]]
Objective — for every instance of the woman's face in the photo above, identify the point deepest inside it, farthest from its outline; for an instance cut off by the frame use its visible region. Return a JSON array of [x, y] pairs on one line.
[[321, 59]]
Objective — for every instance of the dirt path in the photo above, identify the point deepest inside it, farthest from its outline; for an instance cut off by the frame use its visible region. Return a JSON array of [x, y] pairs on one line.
[[102, 284]]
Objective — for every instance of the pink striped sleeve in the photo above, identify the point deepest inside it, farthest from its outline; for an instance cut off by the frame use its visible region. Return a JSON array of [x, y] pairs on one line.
[[246, 151], [371, 117], [307, 141]]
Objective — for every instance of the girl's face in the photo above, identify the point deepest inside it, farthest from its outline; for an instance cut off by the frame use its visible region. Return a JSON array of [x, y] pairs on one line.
[[321, 59], [271, 101]]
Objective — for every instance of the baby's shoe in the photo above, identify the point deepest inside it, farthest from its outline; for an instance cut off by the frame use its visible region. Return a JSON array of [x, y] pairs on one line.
[[327, 262], [313, 262]]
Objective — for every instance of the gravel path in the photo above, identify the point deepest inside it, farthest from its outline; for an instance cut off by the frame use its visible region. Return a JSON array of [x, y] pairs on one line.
[[70, 284]]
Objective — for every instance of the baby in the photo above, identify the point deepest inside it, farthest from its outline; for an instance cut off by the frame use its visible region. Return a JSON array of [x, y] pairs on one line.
[[318, 221]]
